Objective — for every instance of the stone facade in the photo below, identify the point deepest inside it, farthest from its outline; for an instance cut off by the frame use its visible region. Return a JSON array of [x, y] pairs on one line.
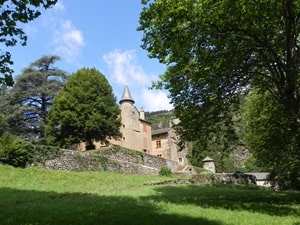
[[136, 133], [115, 159], [209, 164], [135, 130], [164, 143]]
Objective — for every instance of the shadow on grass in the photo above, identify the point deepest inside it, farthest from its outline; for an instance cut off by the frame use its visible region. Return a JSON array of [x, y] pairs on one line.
[[235, 198], [40, 208]]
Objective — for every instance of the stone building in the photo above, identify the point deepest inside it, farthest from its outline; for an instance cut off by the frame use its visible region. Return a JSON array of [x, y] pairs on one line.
[[135, 130], [164, 143], [209, 164], [136, 133]]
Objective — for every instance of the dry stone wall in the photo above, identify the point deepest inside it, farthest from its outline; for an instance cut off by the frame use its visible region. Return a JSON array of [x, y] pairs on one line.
[[224, 178], [115, 159], [134, 162]]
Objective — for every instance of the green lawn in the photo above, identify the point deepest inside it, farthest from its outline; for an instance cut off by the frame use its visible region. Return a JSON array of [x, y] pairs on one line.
[[37, 196]]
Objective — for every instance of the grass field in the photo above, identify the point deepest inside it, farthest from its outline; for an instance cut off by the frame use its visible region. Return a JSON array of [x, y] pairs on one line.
[[35, 196]]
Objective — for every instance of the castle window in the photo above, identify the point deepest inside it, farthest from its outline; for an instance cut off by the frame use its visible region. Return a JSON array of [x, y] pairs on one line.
[[158, 144], [145, 150], [159, 155]]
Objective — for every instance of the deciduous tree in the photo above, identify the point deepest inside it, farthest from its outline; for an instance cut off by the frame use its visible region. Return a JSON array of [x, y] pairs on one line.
[[84, 111], [274, 146], [14, 12], [217, 50]]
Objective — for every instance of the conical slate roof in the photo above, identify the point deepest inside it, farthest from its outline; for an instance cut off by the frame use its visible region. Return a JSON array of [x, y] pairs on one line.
[[207, 159], [126, 95]]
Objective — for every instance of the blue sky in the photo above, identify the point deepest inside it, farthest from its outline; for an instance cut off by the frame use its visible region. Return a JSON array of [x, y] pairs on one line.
[[98, 34]]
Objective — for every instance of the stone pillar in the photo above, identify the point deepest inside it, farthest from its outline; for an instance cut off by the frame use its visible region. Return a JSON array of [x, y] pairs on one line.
[[209, 164]]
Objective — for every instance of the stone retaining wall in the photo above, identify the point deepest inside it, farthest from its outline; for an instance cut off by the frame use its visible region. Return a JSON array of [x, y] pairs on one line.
[[115, 159], [224, 178], [134, 162]]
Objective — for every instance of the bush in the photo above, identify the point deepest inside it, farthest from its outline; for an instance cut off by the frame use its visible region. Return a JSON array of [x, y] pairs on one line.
[[13, 150], [17, 152], [165, 171], [40, 153], [201, 170]]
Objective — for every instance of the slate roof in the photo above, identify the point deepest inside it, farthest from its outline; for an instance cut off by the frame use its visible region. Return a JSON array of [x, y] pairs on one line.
[[126, 95], [207, 159], [260, 176], [160, 131]]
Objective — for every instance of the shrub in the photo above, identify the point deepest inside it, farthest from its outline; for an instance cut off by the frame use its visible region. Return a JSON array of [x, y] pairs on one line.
[[201, 170], [40, 153], [17, 152], [165, 171], [103, 161], [13, 150]]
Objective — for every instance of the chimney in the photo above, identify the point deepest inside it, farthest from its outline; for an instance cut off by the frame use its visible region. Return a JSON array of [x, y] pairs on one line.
[[142, 114]]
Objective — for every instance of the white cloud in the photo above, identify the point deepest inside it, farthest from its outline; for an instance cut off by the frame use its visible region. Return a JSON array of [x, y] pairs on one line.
[[156, 100], [124, 70], [68, 41]]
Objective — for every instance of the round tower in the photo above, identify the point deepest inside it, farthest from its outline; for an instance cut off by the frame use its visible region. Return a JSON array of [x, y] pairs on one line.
[[209, 164]]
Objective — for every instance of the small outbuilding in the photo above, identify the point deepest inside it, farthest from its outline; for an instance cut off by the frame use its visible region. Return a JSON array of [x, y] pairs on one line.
[[209, 164], [261, 178]]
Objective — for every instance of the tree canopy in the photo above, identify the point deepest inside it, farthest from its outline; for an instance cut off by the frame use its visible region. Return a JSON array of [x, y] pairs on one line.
[[12, 14], [218, 50], [26, 105], [275, 147], [84, 111]]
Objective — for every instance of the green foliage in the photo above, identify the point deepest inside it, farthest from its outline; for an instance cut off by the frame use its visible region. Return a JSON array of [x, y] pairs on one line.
[[17, 152], [84, 111], [270, 135], [13, 150], [38, 153], [165, 171], [80, 161], [218, 50], [27, 104], [114, 198], [3, 123], [103, 161], [223, 160], [136, 154], [12, 14], [251, 164], [221, 142], [159, 119], [201, 170]]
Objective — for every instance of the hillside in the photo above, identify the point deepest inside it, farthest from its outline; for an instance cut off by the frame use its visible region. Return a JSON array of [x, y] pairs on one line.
[[38, 196], [159, 119], [239, 159]]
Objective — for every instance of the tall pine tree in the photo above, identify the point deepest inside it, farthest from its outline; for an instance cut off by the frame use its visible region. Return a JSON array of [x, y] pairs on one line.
[[27, 104]]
